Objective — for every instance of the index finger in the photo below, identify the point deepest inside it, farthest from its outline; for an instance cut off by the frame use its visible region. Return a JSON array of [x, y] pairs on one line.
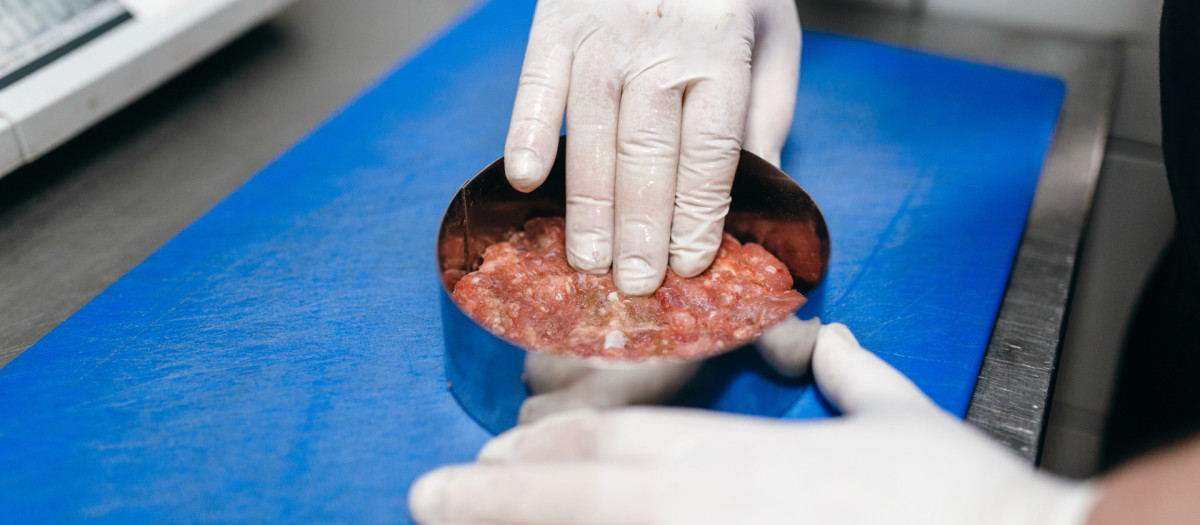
[[859, 381], [535, 494], [537, 116]]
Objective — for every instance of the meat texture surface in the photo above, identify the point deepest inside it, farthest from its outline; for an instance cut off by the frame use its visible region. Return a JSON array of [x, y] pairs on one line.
[[526, 292]]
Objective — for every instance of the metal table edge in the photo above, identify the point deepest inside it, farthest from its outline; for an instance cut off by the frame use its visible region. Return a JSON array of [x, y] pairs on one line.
[[1012, 396]]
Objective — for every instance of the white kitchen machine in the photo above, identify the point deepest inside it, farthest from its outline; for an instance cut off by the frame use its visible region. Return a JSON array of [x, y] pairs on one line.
[[67, 64]]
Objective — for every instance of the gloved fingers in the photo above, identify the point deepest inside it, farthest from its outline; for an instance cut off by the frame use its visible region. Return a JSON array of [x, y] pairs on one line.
[[548, 373], [647, 160], [788, 346], [599, 388], [641, 435], [541, 406], [592, 109], [563, 436], [858, 381], [775, 73], [537, 114], [714, 119], [533, 494]]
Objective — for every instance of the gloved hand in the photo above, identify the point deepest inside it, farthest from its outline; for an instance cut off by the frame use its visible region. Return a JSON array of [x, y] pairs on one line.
[[558, 384], [895, 457], [658, 95]]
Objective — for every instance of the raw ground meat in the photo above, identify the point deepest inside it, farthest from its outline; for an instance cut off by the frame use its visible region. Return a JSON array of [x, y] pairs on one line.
[[526, 291]]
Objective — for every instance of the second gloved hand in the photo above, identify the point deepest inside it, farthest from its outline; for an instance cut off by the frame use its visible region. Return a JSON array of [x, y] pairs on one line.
[[658, 95], [895, 457]]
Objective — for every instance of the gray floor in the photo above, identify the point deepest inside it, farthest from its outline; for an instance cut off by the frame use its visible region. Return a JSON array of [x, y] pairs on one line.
[[78, 219]]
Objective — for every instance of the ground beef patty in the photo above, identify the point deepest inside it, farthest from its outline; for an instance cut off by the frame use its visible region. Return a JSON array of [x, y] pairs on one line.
[[526, 291]]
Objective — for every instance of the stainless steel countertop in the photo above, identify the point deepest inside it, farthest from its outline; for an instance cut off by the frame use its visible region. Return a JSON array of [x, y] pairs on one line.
[[77, 220]]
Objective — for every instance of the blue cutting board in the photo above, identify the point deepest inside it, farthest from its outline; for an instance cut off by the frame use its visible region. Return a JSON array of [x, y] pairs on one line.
[[282, 358]]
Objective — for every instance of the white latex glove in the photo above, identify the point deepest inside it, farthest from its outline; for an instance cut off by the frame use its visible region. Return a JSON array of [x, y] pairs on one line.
[[558, 384], [658, 95], [895, 457]]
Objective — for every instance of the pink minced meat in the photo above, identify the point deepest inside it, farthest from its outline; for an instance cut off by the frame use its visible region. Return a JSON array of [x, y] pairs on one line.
[[526, 291]]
